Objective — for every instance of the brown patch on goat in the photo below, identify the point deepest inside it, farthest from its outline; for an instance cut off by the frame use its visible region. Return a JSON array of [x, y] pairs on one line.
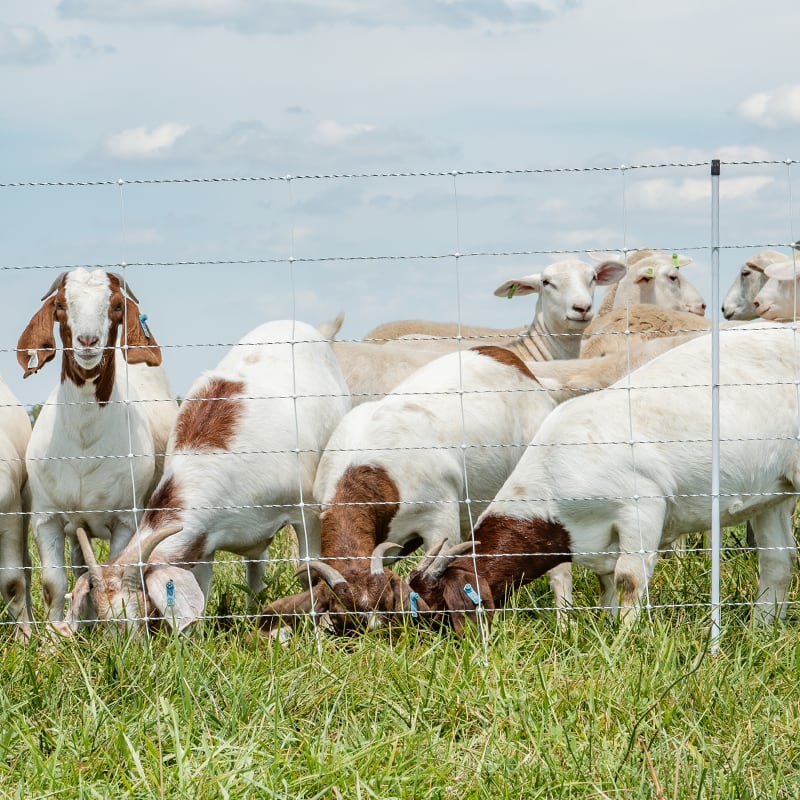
[[510, 553], [504, 356], [208, 420], [359, 516], [165, 505]]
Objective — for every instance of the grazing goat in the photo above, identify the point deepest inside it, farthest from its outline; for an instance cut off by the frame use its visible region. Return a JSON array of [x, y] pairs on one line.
[[242, 462], [414, 467], [563, 310], [97, 448], [612, 477], [15, 563]]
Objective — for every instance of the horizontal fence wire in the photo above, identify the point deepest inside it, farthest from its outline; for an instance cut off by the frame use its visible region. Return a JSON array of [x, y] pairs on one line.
[[282, 565]]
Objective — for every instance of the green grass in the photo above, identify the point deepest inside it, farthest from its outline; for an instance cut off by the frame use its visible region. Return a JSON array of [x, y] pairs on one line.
[[537, 712]]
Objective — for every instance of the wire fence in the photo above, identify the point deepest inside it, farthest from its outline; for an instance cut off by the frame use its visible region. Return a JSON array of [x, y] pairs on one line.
[[459, 451]]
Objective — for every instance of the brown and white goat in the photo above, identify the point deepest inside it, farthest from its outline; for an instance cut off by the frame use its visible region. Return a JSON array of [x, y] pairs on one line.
[[97, 448], [241, 465], [416, 466]]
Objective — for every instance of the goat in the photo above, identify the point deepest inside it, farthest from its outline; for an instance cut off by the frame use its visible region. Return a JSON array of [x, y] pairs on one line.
[[97, 447], [418, 465], [242, 462], [608, 480], [15, 563]]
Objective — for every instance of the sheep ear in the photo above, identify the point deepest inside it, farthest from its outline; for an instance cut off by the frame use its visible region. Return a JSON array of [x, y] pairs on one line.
[[609, 272], [143, 347], [37, 344], [519, 286], [598, 255], [755, 265], [189, 602], [783, 271], [681, 261]]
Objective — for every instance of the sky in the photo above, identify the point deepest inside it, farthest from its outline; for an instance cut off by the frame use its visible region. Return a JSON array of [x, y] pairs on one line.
[[309, 157]]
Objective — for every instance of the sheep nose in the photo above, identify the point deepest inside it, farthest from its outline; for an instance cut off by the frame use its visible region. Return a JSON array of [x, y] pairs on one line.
[[88, 341], [756, 303], [581, 309]]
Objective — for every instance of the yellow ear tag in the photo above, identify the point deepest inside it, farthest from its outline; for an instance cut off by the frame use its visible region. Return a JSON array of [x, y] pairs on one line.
[[649, 272], [675, 261], [513, 290]]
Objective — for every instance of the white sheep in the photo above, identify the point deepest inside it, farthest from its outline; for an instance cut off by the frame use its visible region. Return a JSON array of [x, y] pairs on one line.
[[610, 478], [417, 466], [778, 297], [653, 277], [15, 563], [738, 302], [242, 462], [563, 310], [96, 449]]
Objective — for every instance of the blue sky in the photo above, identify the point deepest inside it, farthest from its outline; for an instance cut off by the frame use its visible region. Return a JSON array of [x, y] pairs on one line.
[[190, 89]]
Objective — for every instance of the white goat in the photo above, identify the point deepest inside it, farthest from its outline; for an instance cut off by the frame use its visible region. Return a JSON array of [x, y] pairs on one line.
[[563, 310], [415, 467], [609, 478], [96, 449], [653, 277], [15, 563], [242, 463]]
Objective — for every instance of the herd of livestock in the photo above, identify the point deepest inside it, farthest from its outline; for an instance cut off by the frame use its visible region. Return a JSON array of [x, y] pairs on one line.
[[582, 436]]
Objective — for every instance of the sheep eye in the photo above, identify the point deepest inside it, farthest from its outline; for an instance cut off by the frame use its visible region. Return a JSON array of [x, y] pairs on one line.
[[673, 278], [745, 273], [546, 282]]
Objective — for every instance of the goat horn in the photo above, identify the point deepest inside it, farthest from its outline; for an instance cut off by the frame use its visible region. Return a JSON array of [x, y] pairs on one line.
[[376, 560], [442, 561], [430, 556], [56, 283], [88, 554], [138, 549], [329, 574], [127, 289]]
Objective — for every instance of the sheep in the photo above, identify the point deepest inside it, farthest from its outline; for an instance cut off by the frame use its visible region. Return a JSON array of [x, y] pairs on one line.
[[242, 462], [653, 277], [112, 403], [738, 302], [563, 310], [418, 465], [623, 328], [611, 477], [15, 563], [777, 298]]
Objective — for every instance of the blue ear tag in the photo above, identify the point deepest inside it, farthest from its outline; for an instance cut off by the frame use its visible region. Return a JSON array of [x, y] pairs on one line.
[[472, 594], [170, 593], [143, 323], [413, 597]]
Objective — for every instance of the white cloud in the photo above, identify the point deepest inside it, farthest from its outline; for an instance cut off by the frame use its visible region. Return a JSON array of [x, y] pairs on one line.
[[279, 16], [663, 193], [144, 143], [778, 108], [23, 45], [333, 133]]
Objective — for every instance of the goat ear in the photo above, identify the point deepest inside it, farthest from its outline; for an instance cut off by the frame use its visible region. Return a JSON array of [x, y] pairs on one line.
[[37, 344], [455, 601], [142, 345], [189, 602]]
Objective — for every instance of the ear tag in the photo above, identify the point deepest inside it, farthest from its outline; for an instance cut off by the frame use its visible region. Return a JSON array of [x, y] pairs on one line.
[[170, 593], [513, 290], [33, 359], [675, 261], [143, 323], [649, 272], [472, 594], [413, 597]]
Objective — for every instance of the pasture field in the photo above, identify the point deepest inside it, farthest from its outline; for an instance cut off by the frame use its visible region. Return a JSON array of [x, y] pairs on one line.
[[538, 712]]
